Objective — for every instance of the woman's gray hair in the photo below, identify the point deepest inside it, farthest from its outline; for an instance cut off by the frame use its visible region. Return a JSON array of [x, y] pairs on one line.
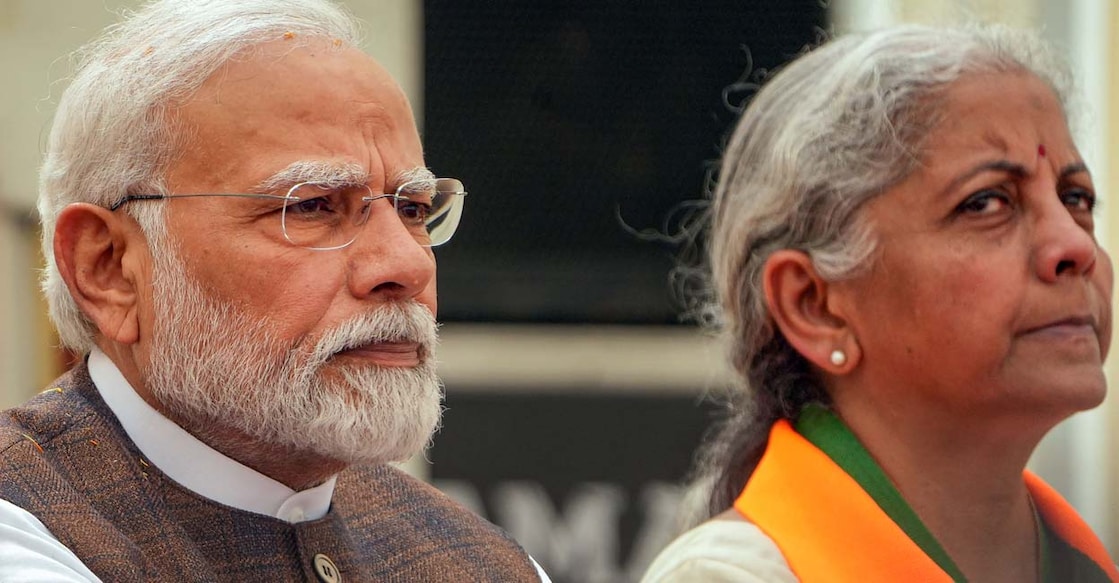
[[829, 132], [115, 131]]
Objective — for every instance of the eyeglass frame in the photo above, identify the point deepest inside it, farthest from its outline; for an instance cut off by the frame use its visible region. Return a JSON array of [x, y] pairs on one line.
[[368, 200]]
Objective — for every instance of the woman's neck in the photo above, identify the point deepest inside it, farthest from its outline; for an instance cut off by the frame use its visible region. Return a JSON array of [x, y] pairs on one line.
[[964, 481]]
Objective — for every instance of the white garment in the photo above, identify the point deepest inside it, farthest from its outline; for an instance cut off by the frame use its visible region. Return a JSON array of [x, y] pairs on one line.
[[28, 551], [721, 551], [29, 554]]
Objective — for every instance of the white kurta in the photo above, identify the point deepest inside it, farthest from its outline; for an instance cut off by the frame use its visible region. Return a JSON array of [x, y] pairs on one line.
[[721, 551]]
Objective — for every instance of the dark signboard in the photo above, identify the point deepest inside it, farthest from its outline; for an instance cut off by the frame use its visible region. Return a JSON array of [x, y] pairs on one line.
[[589, 483], [574, 123]]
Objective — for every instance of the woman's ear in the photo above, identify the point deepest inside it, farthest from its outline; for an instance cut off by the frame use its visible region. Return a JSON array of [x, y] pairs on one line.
[[94, 249], [797, 298]]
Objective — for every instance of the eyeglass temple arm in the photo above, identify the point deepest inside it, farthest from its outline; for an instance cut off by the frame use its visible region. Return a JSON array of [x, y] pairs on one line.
[[133, 197]]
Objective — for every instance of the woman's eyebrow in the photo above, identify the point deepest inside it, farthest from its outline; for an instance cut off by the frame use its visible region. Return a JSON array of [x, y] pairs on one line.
[[1013, 168], [1074, 168]]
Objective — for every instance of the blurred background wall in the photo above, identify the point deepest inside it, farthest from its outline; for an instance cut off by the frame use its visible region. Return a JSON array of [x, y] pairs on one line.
[[575, 396]]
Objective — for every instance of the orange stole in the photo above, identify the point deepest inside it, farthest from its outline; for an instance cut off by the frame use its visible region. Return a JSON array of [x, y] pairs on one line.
[[830, 529]]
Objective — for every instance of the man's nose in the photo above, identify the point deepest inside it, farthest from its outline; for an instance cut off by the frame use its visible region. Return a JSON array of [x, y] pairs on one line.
[[385, 260]]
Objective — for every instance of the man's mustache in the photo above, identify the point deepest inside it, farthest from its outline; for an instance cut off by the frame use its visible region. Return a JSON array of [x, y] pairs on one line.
[[407, 321]]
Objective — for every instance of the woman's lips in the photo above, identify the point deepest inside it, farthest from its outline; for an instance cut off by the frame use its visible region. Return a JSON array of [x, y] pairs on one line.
[[1075, 327], [388, 353]]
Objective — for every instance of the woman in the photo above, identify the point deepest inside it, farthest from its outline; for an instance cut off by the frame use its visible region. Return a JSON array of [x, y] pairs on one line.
[[903, 253]]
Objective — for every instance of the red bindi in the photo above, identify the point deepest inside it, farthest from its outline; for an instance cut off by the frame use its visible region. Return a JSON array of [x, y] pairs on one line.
[[1041, 150]]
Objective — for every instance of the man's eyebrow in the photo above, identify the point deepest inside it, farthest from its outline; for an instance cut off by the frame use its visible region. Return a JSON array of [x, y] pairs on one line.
[[417, 173], [330, 173]]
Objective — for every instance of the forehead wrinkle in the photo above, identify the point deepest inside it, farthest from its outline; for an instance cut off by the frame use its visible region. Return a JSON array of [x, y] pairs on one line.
[[996, 140], [335, 174]]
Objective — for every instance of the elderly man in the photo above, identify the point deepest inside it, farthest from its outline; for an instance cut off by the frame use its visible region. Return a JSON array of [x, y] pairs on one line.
[[238, 225]]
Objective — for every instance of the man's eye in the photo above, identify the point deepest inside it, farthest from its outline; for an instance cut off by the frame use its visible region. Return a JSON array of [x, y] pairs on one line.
[[320, 204], [413, 212]]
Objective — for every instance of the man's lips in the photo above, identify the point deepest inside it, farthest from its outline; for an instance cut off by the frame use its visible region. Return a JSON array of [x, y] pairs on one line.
[[388, 353]]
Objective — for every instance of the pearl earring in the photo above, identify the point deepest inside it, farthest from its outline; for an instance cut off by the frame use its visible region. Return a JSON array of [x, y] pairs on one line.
[[838, 357]]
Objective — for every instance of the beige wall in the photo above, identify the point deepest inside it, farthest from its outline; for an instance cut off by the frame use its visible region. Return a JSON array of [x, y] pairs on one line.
[[849, 15], [9, 376], [25, 363]]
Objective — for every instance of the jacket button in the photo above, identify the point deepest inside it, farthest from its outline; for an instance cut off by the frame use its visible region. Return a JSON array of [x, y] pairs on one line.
[[326, 570]]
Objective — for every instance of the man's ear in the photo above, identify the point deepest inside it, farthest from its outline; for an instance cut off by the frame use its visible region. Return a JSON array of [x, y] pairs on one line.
[[797, 298], [97, 254]]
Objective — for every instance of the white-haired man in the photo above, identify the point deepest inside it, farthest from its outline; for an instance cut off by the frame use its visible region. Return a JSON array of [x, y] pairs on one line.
[[238, 225]]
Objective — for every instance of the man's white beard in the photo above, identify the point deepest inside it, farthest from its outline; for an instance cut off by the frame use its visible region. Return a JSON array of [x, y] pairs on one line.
[[217, 369]]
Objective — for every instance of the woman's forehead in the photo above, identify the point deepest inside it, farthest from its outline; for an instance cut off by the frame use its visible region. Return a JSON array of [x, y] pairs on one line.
[[1007, 113]]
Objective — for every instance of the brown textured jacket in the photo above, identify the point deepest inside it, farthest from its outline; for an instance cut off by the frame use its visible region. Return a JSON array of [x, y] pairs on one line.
[[66, 459]]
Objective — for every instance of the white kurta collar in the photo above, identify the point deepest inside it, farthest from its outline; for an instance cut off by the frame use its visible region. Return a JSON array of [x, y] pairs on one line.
[[197, 466]]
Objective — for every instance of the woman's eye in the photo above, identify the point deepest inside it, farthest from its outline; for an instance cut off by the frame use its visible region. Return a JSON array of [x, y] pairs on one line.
[[985, 202], [1079, 199]]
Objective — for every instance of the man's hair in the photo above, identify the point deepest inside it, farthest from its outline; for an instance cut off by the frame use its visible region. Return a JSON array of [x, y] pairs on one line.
[[825, 135], [115, 131]]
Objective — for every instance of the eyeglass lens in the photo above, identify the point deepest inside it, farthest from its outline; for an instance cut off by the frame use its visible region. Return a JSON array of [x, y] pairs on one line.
[[321, 216]]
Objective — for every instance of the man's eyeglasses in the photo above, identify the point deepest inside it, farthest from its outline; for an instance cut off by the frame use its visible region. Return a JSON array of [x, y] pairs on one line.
[[322, 217]]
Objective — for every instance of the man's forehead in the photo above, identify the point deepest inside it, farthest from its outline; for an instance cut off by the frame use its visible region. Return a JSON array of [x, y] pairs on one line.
[[312, 80], [298, 112], [279, 58]]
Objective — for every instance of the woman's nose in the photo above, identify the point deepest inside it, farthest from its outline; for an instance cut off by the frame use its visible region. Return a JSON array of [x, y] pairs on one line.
[[1065, 246]]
